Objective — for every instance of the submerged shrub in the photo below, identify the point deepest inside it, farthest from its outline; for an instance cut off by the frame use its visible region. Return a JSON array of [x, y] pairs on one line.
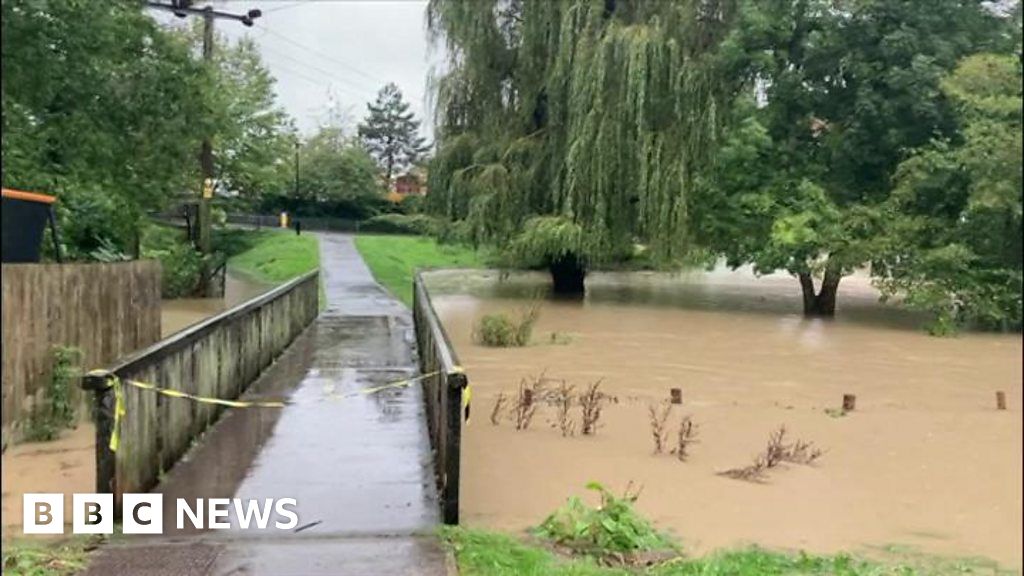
[[496, 330], [500, 330]]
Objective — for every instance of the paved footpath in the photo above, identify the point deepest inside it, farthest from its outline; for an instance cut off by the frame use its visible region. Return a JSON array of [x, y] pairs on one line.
[[359, 466]]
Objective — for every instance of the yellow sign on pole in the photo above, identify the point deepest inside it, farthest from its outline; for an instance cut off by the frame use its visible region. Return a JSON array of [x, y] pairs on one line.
[[284, 219], [208, 188]]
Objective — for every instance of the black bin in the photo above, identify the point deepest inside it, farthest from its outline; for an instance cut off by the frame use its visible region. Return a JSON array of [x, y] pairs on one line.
[[25, 215]]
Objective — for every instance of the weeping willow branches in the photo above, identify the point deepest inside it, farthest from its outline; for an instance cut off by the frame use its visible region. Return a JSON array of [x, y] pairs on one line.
[[594, 115]]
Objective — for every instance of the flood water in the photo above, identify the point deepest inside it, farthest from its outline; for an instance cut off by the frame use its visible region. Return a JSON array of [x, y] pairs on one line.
[[181, 313], [67, 464], [925, 461]]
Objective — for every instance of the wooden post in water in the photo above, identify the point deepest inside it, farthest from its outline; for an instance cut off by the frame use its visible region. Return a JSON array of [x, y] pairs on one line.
[[1000, 400], [106, 459], [677, 395], [528, 397], [849, 402]]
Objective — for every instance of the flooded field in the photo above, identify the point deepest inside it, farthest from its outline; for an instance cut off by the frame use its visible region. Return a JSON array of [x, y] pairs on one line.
[[924, 461]]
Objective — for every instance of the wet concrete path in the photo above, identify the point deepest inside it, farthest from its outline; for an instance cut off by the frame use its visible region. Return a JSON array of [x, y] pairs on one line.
[[359, 466]]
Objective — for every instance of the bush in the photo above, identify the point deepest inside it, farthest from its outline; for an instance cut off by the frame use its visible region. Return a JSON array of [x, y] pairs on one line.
[[611, 528], [182, 265], [499, 330], [496, 330], [400, 224], [91, 223], [56, 409]]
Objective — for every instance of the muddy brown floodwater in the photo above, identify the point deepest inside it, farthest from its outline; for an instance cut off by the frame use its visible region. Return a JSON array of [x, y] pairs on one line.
[[183, 312], [67, 464], [924, 461]]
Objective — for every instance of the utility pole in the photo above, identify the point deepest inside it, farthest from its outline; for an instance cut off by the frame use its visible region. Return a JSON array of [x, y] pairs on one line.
[[182, 9]]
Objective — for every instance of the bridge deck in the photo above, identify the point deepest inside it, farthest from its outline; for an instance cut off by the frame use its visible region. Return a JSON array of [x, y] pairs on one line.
[[359, 466]]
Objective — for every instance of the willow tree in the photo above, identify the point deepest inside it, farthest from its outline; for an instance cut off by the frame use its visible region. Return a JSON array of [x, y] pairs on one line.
[[569, 131]]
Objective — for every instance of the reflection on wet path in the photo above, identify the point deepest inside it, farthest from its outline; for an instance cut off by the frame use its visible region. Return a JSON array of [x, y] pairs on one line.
[[356, 464]]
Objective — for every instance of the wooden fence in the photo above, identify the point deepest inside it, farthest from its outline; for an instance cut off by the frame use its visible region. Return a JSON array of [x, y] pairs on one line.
[[442, 394], [104, 310], [216, 358]]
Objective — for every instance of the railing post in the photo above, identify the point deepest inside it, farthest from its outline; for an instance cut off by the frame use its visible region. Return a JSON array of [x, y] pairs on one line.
[[456, 382], [103, 415]]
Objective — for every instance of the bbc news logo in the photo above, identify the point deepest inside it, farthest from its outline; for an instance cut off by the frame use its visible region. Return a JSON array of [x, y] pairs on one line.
[[144, 513]]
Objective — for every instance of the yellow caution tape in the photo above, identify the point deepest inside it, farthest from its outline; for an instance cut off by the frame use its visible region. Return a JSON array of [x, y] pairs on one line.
[[113, 381]]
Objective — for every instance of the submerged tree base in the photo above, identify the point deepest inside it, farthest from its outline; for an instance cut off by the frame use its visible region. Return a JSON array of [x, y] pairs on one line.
[[567, 277], [823, 303]]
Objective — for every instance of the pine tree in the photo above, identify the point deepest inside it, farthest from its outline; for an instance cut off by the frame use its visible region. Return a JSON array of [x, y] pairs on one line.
[[390, 132]]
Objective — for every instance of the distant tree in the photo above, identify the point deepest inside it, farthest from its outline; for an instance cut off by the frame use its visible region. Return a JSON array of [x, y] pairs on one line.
[[954, 219], [804, 179], [390, 132], [254, 137], [337, 178]]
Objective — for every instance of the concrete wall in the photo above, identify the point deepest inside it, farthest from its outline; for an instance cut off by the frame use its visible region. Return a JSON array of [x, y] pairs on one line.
[[217, 358], [105, 310]]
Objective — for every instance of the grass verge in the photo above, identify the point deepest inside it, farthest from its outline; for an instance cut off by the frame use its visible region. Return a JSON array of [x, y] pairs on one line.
[[481, 553], [47, 557], [394, 259], [273, 256]]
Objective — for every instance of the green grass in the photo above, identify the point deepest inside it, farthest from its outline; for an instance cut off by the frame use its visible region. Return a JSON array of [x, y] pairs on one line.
[[394, 259], [481, 553], [47, 557], [274, 256]]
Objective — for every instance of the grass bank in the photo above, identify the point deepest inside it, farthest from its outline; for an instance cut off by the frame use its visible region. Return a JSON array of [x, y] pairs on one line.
[[394, 259], [270, 256], [481, 553]]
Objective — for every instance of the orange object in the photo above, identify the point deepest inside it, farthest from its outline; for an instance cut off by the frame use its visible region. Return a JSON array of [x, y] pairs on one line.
[[29, 196]]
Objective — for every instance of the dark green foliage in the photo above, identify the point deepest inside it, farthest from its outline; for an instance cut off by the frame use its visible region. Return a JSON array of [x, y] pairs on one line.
[[576, 120], [391, 133], [55, 409], [101, 105], [105, 108], [955, 227], [804, 180], [181, 264], [337, 178], [254, 138]]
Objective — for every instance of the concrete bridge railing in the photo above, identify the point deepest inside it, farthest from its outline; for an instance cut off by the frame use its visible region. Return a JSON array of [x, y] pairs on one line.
[[217, 358], [442, 391]]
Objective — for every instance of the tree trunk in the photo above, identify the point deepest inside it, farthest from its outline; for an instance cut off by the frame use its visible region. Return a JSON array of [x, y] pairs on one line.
[[567, 274], [822, 303]]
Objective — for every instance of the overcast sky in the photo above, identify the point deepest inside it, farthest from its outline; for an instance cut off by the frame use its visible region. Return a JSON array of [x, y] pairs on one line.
[[335, 54]]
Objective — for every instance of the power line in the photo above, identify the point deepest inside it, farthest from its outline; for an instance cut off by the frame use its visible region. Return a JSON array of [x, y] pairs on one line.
[[322, 55], [326, 73]]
